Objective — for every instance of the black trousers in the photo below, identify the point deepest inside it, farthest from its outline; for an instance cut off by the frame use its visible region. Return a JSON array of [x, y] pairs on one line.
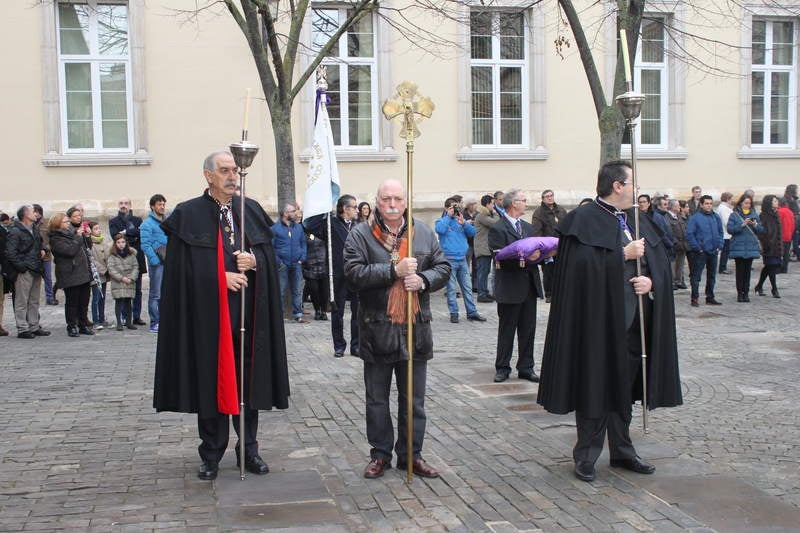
[[340, 297], [215, 430], [318, 293], [380, 431], [743, 269], [520, 319], [592, 431], [547, 277], [76, 305]]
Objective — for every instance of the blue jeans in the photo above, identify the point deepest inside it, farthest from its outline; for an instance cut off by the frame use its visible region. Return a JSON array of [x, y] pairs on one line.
[[459, 274], [99, 303], [292, 274], [49, 294], [156, 273], [482, 266], [709, 262]]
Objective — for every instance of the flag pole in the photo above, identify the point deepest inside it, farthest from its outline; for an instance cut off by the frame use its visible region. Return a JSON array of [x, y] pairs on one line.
[[410, 108], [322, 87], [243, 154]]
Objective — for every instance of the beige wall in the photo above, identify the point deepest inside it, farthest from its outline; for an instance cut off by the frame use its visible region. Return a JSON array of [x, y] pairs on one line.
[[195, 80]]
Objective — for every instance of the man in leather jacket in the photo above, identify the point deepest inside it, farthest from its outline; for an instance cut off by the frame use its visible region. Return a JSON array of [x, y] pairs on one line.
[[377, 265]]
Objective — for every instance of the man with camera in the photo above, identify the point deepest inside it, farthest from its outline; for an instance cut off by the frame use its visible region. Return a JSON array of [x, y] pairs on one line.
[[453, 233]]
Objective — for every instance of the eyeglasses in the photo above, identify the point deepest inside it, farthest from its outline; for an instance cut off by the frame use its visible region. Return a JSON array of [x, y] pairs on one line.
[[228, 170]]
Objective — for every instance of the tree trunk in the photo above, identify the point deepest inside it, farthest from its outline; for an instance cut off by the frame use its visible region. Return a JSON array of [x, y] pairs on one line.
[[612, 127], [284, 153]]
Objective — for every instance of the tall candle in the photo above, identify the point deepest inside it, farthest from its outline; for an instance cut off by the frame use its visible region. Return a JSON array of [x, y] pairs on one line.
[[246, 108], [623, 42]]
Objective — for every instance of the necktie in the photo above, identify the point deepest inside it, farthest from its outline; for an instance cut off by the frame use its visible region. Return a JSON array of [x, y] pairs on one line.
[[519, 227]]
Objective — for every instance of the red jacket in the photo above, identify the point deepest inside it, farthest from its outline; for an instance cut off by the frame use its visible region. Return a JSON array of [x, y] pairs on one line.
[[787, 223]]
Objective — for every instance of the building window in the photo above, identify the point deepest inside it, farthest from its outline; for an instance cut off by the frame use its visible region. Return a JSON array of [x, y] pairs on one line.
[[651, 76], [773, 84], [498, 73], [94, 76], [351, 73]]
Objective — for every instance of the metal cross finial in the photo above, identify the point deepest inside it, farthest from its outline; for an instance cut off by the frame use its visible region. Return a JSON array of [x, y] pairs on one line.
[[410, 107]]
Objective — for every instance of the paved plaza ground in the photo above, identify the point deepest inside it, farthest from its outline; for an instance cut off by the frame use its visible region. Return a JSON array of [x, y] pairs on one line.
[[83, 450]]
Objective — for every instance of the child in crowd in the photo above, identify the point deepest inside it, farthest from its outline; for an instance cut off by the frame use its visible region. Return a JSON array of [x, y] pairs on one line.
[[123, 269], [101, 249]]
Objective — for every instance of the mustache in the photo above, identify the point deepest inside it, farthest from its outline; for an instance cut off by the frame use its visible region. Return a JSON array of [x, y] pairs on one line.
[[230, 183], [392, 211]]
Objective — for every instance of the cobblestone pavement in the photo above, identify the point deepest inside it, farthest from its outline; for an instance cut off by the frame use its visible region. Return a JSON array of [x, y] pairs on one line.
[[82, 448]]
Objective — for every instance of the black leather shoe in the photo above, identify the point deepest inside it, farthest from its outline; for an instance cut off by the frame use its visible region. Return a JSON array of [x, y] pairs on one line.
[[712, 301], [759, 291], [26, 335], [500, 377], [634, 465], [41, 333], [775, 293], [476, 318], [694, 303], [454, 318], [485, 299], [338, 353], [139, 322], [72, 331], [354, 352], [208, 470], [529, 376], [85, 330], [255, 465], [584, 470]]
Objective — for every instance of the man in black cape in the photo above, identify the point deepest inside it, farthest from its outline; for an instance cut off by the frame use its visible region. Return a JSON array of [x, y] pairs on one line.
[[592, 355], [197, 357]]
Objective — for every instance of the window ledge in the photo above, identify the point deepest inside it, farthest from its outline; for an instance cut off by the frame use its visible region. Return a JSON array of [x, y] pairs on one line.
[[765, 153], [389, 154], [488, 154], [674, 153], [97, 160]]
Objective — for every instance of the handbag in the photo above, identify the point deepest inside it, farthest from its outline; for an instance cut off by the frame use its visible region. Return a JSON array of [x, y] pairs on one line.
[[161, 252]]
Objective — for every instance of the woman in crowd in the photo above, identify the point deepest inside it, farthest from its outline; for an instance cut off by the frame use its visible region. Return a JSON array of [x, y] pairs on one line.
[[744, 225], [770, 245], [100, 253], [364, 210], [73, 274], [315, 272], [123, 268]]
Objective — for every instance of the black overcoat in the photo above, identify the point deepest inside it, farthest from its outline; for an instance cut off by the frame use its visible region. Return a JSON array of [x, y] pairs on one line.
[[186, 358], [585, 360]]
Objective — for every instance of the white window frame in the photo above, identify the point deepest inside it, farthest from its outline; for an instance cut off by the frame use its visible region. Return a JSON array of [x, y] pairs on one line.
[[767, 151], [673, 139], [496, 63], [768, 69], [94, 59], [381, 148], [663, 68], [54, 98], [534, 110]]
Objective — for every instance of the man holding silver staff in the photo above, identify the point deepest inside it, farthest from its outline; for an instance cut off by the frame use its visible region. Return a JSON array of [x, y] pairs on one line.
[[199, 335], [592, 357], [377, 265]]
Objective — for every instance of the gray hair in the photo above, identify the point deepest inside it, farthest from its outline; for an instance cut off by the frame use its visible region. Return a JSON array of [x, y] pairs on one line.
[[509, 198], [210, 162], [386, 182], [672, 203]]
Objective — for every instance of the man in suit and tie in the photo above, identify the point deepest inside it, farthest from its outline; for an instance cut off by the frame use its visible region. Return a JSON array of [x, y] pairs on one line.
[[516, 291]]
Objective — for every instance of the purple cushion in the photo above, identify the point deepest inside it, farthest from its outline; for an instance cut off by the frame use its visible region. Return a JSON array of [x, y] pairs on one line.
[[523, 248]]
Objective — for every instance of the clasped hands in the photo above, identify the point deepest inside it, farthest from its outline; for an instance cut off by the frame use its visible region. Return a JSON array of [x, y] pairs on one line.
[[406, 269], [635, 250], [244, 262]]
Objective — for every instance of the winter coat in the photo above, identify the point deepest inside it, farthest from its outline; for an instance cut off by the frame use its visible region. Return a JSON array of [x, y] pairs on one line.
[[123, 267], [545, 219], [70, 259], [24, 248], [744, 242], [129, 226], [787, 223], [367, 267], [453, 237], [704, 232], [152, 237], [484, 221], [100, 253], [44, 234], [316, 264], [771, 245], [677, 224], [289, 242]]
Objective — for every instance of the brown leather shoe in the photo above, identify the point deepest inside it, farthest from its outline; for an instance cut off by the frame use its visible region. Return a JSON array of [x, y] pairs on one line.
[[3, 332], [421, 469], [376, 468]]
